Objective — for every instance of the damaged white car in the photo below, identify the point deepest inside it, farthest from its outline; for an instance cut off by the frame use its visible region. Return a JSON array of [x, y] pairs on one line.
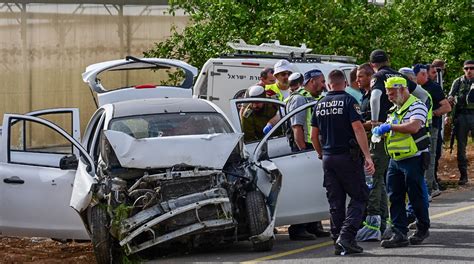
[[148, 172], [154, 167]]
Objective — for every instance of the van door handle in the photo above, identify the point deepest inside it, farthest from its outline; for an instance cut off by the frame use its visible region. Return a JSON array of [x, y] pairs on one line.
[[14, 180], [212, 98]]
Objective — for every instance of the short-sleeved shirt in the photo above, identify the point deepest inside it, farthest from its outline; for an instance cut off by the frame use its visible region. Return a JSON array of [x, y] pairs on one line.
[[356, 93], [417, 111], [300, 118], [437, 95], [334, 115], [377, 83]]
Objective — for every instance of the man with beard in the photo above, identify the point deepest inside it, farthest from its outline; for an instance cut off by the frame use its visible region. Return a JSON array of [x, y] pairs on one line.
[[281, 89], [256, 115], [407, 143]]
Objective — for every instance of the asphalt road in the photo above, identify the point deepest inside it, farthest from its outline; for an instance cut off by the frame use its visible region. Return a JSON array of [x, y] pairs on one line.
[[451, 241]]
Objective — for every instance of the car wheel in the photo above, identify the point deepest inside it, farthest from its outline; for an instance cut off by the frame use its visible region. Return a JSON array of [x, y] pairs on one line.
[[106, 249], [257, 218]]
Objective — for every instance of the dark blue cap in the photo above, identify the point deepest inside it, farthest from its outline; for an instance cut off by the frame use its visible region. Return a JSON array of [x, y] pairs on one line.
[[311, 74], [419, 67]]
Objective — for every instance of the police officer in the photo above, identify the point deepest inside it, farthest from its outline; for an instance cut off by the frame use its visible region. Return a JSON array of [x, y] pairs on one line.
[[407, 144], [462, 94], [338, 136], [314, 83], [256, 115]]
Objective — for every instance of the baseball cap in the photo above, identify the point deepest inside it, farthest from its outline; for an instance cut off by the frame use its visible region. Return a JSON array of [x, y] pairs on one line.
[[256, 91], [395, 82], [407, 71], [282, 66], [378, 56], [419, 68], [311, 74]]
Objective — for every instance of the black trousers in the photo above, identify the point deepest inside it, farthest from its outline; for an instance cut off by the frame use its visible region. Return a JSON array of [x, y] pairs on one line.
[[344, 176]]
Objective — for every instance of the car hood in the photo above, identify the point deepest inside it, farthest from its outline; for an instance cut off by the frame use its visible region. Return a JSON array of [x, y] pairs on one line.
[[207, 151]]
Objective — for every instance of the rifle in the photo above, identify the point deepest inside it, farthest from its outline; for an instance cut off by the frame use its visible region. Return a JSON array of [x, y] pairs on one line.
[[453, 136]]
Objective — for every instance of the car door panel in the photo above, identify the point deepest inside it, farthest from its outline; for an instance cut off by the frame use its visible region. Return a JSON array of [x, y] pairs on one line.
[[37, 203], [302, 196]]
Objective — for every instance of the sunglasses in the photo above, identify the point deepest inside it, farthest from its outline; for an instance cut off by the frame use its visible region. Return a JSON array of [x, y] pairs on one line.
[[469, 68]]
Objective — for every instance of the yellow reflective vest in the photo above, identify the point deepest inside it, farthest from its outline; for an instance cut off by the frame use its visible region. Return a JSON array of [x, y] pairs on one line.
[[274, 88], [401, 146]]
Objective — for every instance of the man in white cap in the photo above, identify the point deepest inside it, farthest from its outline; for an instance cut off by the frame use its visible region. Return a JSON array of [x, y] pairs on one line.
[[296, 80], [256, 115], [281, 89]]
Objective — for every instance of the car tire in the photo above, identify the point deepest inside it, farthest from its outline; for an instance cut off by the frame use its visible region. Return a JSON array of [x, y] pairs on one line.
[[258, 220], [106, 249]]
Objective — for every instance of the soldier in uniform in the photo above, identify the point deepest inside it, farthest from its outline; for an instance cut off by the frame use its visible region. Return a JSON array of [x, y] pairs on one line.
[[462, 95], [256, 115]]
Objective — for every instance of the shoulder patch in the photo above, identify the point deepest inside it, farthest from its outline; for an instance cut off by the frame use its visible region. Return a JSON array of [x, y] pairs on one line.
[[357, 109]]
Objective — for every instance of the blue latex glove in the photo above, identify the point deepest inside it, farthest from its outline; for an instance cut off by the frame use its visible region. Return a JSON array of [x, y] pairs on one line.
[[382, 129], [267, 128]]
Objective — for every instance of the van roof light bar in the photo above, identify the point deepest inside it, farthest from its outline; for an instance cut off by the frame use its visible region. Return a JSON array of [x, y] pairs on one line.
[[275, 47], [278, 50]]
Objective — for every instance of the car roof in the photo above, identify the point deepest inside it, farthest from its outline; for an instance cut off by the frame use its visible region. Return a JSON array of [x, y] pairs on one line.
[[160, 105]]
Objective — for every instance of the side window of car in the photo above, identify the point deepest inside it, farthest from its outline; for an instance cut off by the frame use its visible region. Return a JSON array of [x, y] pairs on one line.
[[28, 136], [32, 143]]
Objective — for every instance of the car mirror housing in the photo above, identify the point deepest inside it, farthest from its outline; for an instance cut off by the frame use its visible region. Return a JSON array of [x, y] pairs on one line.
[[69, 162]]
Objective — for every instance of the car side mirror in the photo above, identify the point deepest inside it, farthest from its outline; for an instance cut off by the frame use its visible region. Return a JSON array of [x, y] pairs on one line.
[[69, 162]]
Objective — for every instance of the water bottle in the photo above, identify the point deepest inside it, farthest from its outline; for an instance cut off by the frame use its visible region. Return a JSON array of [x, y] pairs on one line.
[[369, 180], [376, 138]]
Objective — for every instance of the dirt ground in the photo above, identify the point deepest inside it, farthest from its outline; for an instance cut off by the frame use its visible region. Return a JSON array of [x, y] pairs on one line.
[[41, 250]]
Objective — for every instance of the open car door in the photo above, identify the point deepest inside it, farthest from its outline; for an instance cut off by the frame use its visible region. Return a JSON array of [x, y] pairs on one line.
[[35, 189], [239, 108], [302, 196]]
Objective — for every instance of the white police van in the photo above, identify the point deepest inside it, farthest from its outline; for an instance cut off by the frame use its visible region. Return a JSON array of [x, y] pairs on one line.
[[222, 78]]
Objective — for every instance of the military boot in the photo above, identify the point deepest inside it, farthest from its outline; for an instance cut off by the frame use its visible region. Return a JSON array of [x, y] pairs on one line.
[[463, 180]]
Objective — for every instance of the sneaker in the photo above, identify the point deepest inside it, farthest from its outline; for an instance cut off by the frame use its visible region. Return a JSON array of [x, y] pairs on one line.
[[435, 193], [348, 247], [412, 226], [395, 241], [418, 237]]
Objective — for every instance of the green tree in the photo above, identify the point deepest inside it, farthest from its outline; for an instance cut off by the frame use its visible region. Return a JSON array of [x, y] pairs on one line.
[[410, 31]]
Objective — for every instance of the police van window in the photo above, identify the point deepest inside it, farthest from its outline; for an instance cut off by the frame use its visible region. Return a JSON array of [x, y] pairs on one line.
[[255, 116]]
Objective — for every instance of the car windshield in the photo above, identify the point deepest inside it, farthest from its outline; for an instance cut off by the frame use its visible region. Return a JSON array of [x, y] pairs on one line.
[[171, 124]]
